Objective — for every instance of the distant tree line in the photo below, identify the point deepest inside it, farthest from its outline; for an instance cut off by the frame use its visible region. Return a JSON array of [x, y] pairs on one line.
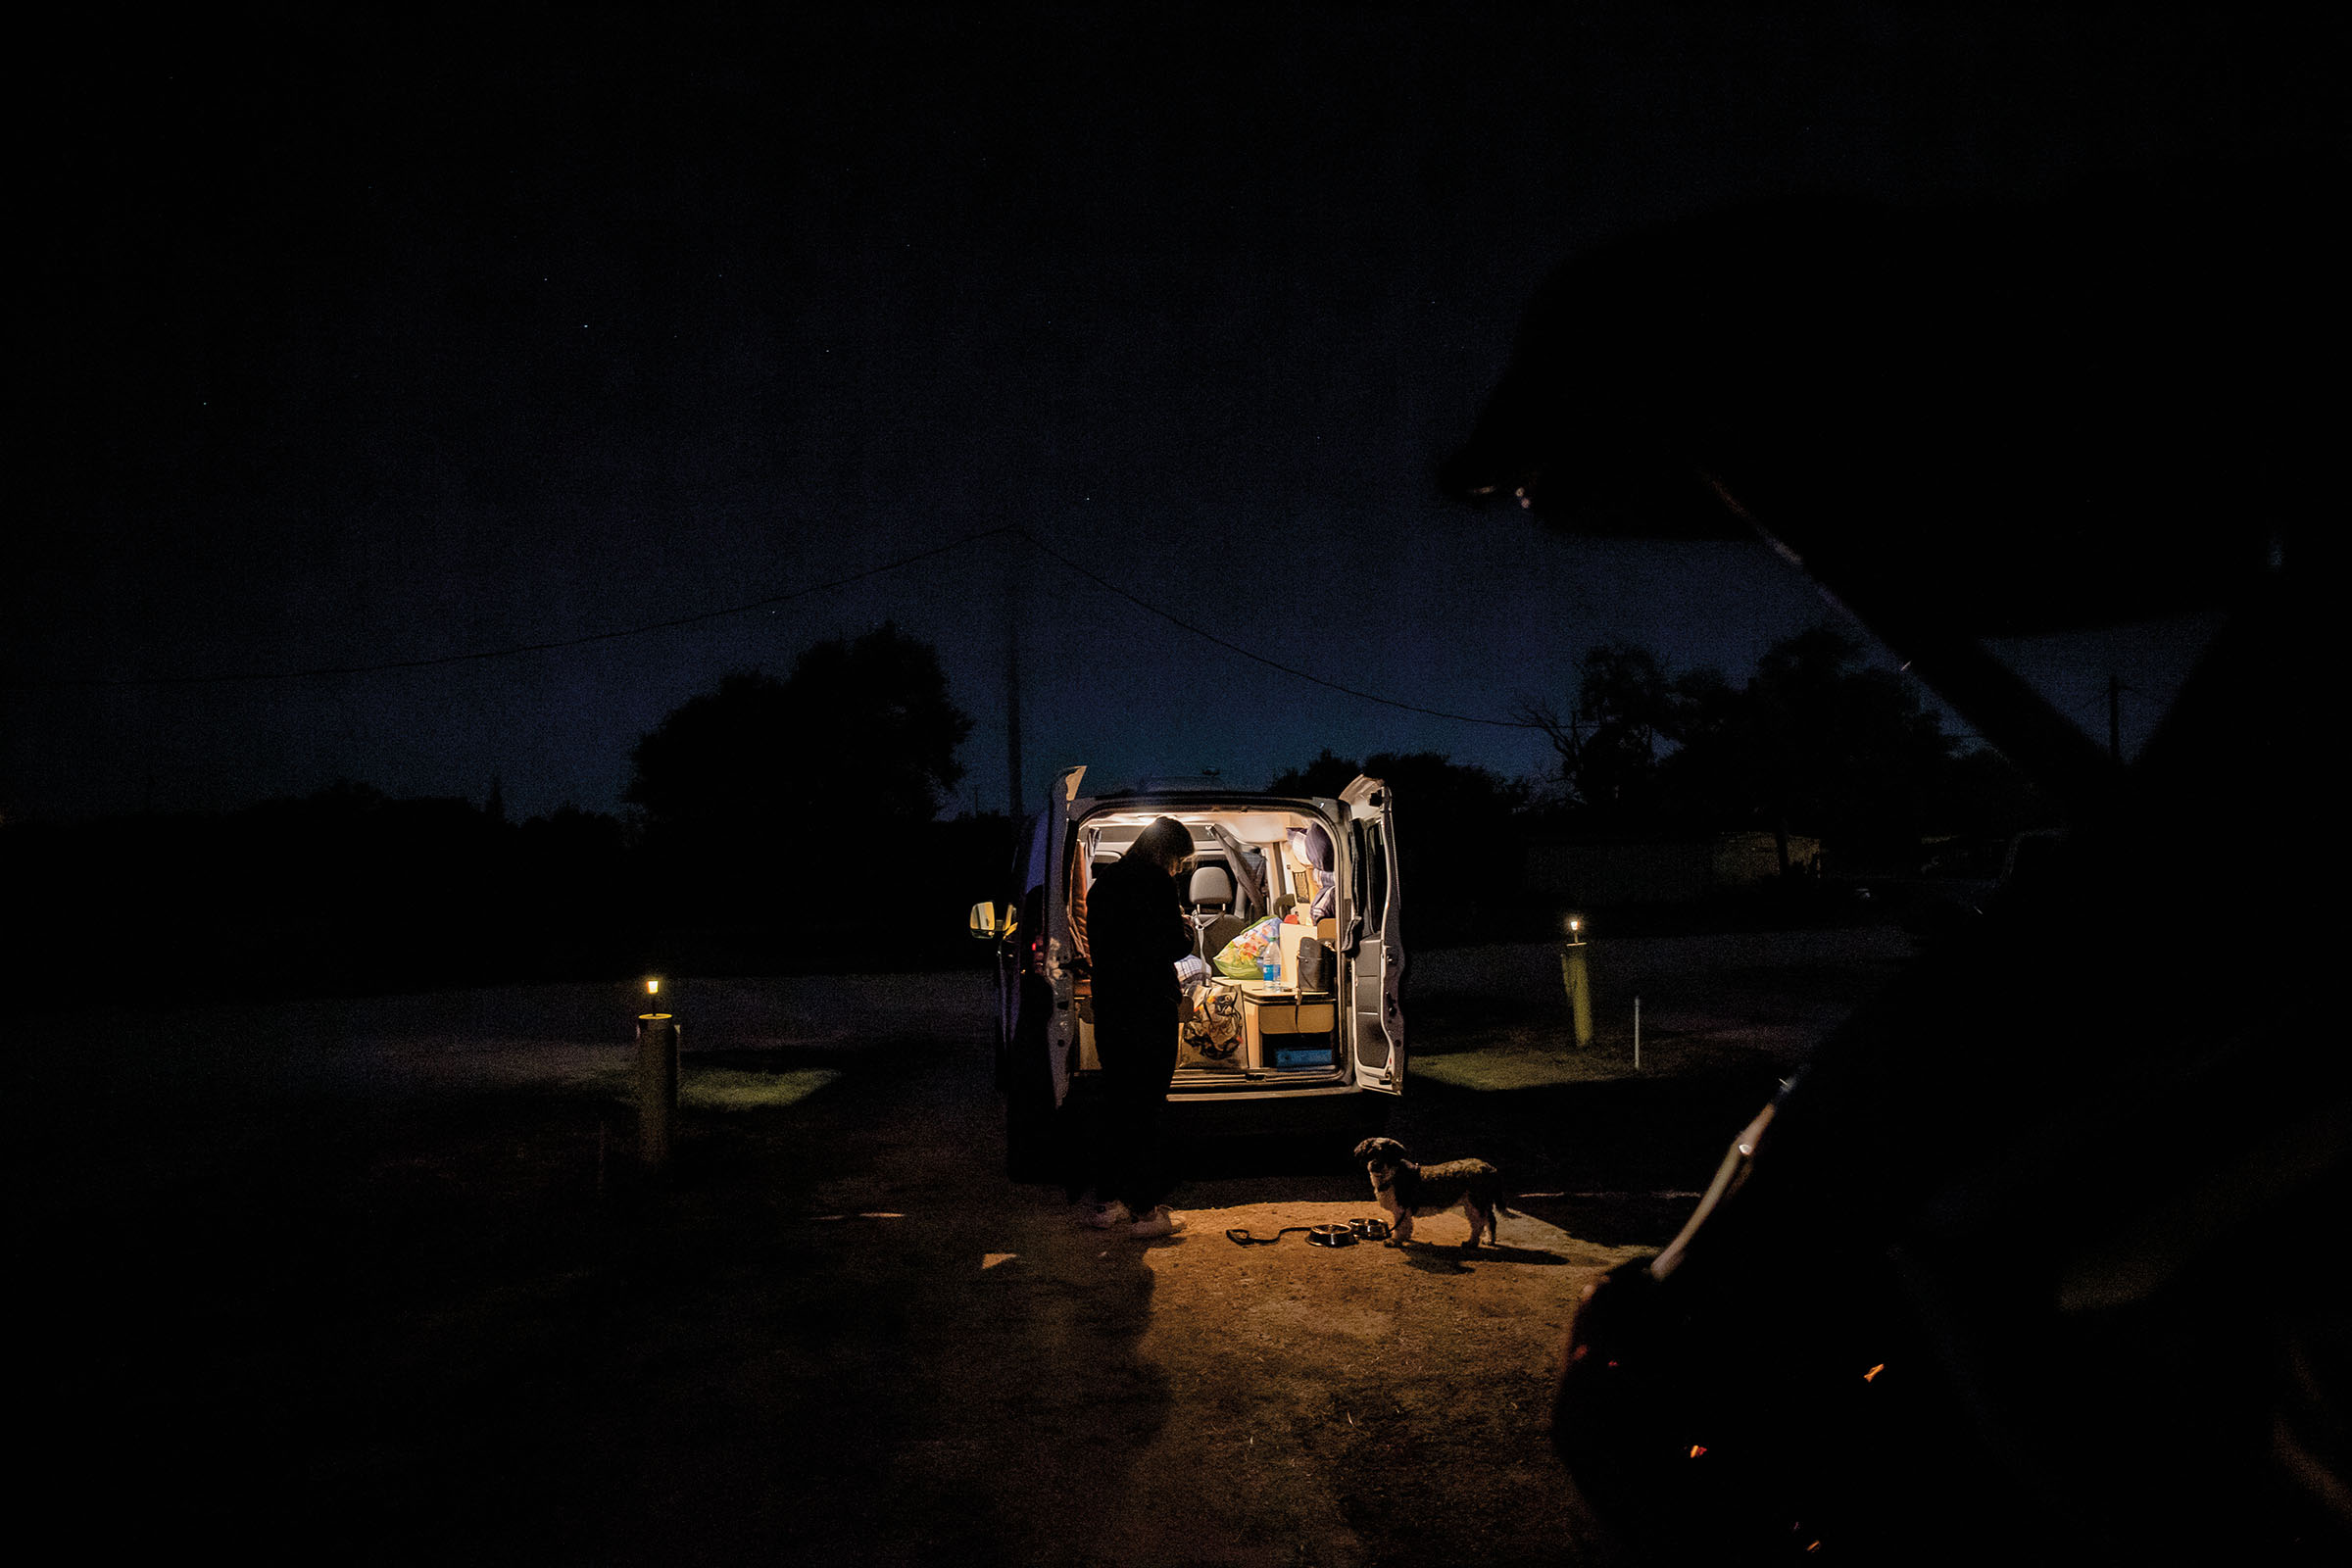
[[1817, 741], [815, 795], [1817, 744], [777, 825], [794, 822]]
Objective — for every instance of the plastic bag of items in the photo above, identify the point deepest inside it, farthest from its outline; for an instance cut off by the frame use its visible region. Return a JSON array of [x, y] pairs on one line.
[[1239, 958], [1211, 1031]]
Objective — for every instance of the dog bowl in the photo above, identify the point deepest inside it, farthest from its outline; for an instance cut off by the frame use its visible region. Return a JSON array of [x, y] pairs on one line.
[[1369, 1230], [1330, 1235]]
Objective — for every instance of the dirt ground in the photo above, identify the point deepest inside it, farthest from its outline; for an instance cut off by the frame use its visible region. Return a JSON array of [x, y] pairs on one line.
[[378, 1280]]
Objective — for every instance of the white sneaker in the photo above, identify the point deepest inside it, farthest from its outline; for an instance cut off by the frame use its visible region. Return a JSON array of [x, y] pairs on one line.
[[1159, 1222], [1110, 1217]]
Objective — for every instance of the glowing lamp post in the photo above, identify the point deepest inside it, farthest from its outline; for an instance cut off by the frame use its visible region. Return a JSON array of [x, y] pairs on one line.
[[656, 1077], [1579, 983]]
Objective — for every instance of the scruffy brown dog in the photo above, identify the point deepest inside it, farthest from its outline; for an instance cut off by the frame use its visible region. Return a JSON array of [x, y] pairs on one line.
[[1406, 1189]]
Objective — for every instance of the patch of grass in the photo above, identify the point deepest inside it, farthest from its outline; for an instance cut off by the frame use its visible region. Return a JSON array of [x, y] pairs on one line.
[[1512, 1069], [702, 1088], [730, 1088]]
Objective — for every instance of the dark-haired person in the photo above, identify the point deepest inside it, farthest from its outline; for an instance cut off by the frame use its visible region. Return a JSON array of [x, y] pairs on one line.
[[1136, 928]]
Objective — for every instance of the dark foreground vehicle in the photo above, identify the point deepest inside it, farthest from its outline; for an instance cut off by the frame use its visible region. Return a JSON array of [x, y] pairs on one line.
[[2037, 1258]]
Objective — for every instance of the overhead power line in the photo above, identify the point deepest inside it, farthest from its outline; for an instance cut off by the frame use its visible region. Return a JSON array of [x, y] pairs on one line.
[[532, 648], [645, 628], [1173, 620], [480, 654]]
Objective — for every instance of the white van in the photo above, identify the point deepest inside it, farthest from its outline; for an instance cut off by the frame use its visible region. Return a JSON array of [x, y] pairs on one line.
[[1343, 1042]]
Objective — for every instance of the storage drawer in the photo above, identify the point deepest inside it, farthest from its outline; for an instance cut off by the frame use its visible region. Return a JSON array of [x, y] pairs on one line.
[[1281, 1029]]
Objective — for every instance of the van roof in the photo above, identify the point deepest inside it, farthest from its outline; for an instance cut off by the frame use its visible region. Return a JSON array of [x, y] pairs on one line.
[[1194, 800], [1175, 784]]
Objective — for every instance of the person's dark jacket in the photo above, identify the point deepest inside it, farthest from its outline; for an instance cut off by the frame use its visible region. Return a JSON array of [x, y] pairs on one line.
[[1137, 930]]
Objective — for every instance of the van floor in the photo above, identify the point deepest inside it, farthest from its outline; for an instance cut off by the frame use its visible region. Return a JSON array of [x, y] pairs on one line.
[[1238, 1079]]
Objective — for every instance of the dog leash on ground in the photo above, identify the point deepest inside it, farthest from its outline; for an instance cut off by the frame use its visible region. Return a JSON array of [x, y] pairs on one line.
[[1348, 1235]]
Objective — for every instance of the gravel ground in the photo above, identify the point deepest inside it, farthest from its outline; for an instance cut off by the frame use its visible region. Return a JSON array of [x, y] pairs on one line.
[[375, 1279]]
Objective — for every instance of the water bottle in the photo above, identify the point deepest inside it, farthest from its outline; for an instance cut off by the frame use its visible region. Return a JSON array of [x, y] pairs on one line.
[[1270, 963]]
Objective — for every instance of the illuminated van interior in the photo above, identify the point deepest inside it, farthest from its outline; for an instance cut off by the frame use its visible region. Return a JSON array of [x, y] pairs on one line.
[[1244, 871]]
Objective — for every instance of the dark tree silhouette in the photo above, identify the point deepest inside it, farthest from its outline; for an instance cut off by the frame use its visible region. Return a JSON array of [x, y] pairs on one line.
[[1840, 746], [1817, 741], [856, 745], [1625, 710], [1707, 779], [1324, 778]]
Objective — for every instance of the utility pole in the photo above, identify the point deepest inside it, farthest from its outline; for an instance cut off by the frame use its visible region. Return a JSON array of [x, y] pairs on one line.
[[1012, 676]]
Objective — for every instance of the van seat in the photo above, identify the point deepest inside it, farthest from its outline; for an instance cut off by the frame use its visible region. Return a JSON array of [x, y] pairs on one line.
[[1210, 900], [1211, 884]]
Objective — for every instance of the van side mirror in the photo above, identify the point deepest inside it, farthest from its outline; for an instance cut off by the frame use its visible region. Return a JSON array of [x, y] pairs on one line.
[[984, 922]]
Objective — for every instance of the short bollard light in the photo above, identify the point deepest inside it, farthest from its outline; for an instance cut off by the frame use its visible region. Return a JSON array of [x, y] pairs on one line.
[[656, 1077], [1577, 980]]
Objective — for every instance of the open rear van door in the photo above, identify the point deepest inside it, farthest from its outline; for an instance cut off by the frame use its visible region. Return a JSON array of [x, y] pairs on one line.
[[1371, 945], [1063, 807], [1042, 1028]]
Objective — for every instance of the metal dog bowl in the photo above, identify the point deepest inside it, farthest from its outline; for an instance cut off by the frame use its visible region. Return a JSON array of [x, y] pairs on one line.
[[1348, 1235]]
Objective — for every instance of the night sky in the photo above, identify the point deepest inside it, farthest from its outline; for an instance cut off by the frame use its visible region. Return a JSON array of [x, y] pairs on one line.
[[357, 338]]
